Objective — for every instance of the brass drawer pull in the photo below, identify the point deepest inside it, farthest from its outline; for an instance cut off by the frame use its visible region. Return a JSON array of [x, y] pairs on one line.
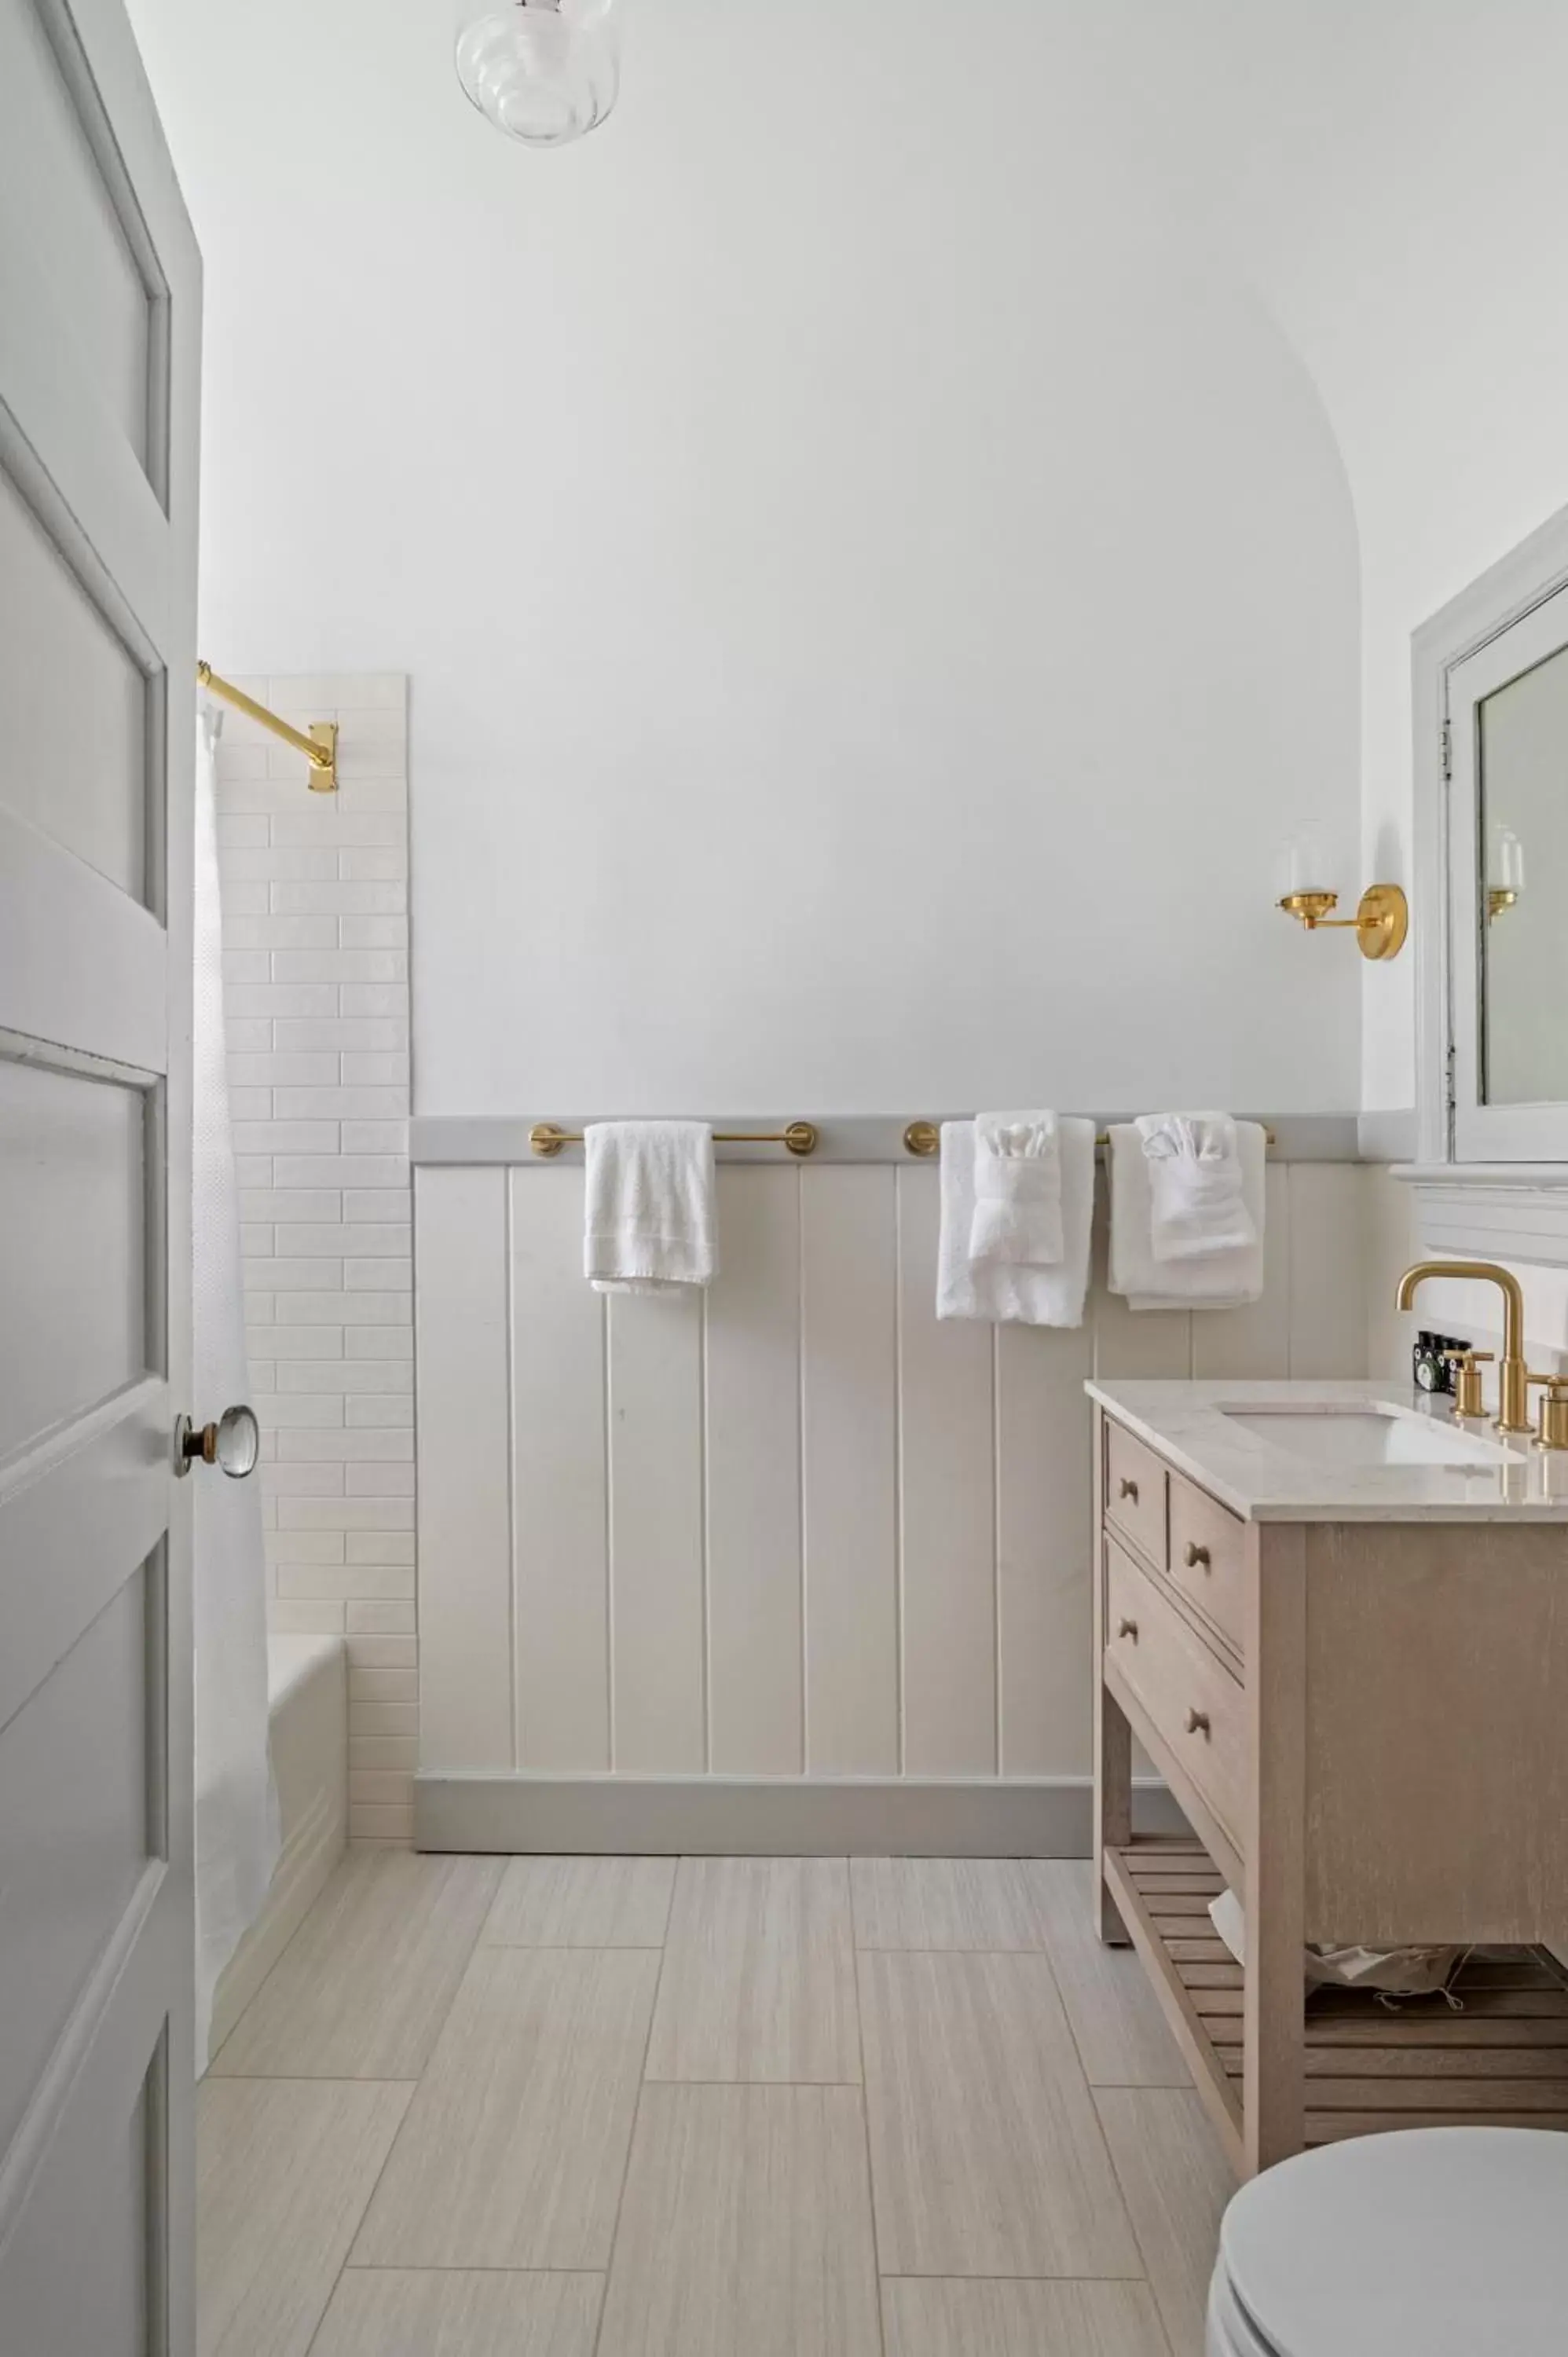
[[1128, 1629], [1198, 1722], [1195, 1556], [1129, 1488]]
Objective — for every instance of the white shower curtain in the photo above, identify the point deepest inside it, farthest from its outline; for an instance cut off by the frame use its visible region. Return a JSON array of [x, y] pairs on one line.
[[236, 1806]]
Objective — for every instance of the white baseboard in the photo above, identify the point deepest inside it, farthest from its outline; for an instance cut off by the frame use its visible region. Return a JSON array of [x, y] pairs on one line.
[[718, 1816]]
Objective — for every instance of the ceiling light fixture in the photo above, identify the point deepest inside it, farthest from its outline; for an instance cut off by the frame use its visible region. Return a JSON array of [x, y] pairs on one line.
[[543, 71]]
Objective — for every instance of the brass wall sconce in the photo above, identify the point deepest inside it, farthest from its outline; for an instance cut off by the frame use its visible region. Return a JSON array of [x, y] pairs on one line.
[[1381, 922], [319, 746]]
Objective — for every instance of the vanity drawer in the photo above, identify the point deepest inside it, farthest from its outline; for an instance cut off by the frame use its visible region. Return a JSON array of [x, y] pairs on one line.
[[1135, 1492], [1193, 1702], [1208, 1559]]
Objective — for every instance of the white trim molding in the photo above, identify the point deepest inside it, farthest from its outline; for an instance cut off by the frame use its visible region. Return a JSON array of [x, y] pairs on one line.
[[1503, 1211], [740, 1816]]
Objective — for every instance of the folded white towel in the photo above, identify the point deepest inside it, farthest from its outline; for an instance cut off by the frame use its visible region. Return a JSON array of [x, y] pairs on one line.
[[649, 1219], [1194, 1184], [1010, 1291], [1017, 1189], [1220, 1280]]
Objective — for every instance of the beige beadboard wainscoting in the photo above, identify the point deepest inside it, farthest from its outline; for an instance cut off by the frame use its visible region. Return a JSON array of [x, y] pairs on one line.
[[314, 895], [790, 1565]]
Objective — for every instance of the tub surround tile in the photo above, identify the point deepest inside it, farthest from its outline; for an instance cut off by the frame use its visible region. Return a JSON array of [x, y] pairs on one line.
[[400, 2312], [987, 2155], [364, 1986], [759, 1979], [745, 2226], [514, 2151], [284, 2171]]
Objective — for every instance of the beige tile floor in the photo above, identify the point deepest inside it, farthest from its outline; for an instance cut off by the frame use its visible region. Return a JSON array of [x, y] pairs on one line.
[[728, 2107]]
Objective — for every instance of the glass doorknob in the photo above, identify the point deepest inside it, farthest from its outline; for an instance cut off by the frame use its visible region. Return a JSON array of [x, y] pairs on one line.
[[233, 1444]]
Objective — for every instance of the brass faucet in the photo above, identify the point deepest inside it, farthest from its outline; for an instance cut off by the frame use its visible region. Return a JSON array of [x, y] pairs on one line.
[[1512, 1372]]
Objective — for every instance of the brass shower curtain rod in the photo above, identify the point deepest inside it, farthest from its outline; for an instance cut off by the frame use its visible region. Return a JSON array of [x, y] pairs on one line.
[[318, 745]]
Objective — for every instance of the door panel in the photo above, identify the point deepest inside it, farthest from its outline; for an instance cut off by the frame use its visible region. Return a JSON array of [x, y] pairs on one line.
[[97, 735], [100, 327], [72, 1155]]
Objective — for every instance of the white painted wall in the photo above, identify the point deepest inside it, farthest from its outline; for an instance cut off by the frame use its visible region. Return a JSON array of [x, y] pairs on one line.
[[877, 583]]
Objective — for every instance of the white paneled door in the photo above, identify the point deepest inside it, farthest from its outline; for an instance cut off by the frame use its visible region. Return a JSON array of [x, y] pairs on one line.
[[99, 330]]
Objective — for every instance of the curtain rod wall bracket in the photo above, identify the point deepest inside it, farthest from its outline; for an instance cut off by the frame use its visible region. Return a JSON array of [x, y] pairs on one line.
[[319, 743]]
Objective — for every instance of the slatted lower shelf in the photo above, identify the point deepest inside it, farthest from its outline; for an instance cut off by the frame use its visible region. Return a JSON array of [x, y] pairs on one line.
[[1503, 2057]]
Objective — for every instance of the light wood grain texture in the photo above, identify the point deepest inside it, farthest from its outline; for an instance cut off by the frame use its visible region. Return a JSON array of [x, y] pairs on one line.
[[1214, 1584], [1045, 1547], [753, 1459], [284, 2171], [1116, 2021], [363, 1987], [759, 1979], [943, 1902], [1136, 1491], [945, 2318], [987, 2158], [558, 1520], [1273, 1841], [745, 2226], [1176, 1675], [849, 1476], [582, 1902], [1255, 1339], [947, 1510], [514, 2147], [1176, 2183], [656, 1532], [1328, 1273], [1113, 1738], [463, 1441], [397, 2312]]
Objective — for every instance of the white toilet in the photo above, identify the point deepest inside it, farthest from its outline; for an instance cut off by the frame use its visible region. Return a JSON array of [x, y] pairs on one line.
[[1439, 2241]]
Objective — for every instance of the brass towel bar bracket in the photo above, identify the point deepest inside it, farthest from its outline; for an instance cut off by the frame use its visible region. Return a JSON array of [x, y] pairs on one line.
[[319, 743], [924, 1138]]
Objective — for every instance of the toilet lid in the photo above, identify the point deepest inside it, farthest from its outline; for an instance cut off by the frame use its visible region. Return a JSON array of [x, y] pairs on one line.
[[1447, 2241]]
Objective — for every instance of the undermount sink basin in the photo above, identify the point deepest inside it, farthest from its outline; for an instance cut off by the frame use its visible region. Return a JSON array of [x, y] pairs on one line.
[[1373, 1435]]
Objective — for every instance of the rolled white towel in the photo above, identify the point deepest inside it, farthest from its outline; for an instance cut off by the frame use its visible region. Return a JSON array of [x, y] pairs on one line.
[[1017, 1189], [1013, 1292], [1198, 1206]]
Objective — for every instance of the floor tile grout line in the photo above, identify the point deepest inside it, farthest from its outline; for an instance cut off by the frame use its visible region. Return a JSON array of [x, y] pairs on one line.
[[1120, 2183], [866, 2125], [642, 2084]]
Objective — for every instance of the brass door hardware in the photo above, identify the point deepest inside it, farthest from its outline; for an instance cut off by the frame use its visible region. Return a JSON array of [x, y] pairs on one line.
[[799, 1136], [1198, 1722], [1380, 924], [1552, 1430], [319, 744], [1467, 1365], [1513, 1403], [923, 1138], [1194, 1555]]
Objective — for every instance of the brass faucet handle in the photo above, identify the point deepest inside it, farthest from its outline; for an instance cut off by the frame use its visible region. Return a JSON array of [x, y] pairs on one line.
[[1467, 1365], [1551, 1432]]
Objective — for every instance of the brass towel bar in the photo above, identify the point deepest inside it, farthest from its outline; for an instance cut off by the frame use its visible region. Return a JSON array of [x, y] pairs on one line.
[[318, 745], [924, 1138], [799, 1136]]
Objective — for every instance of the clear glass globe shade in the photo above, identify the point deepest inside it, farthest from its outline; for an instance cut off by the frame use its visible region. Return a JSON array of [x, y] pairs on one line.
[[543, 71]]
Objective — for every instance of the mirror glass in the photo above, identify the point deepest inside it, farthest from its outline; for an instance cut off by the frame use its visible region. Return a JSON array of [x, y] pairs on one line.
[[1522, 765]]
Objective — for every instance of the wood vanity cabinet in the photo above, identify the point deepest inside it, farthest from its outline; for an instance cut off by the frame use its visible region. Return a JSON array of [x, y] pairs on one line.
[[1366, 1726]]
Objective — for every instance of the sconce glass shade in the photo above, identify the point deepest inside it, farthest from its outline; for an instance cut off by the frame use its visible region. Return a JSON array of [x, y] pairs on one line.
[[543, 71]]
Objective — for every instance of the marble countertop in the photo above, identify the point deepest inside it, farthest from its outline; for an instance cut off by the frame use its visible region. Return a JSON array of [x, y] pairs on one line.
[[1266, 1481]]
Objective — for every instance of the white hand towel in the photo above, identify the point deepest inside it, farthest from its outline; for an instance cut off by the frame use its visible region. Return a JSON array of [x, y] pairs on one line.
[[1224, 1280], [1194, 1184], [1011, 1293], [1017, 1189], [650, 1222]]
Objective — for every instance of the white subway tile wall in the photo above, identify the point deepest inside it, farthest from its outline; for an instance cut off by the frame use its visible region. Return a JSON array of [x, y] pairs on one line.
[[315, 969]]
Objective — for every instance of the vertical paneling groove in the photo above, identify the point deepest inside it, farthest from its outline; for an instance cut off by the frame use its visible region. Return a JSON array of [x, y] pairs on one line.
[[754, 1477], [656, 1481], [949, 1533], [559, 1558], [465, 1667], [1328, 1269], [849, 1479], [511, 1393], [1044, 1547]]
